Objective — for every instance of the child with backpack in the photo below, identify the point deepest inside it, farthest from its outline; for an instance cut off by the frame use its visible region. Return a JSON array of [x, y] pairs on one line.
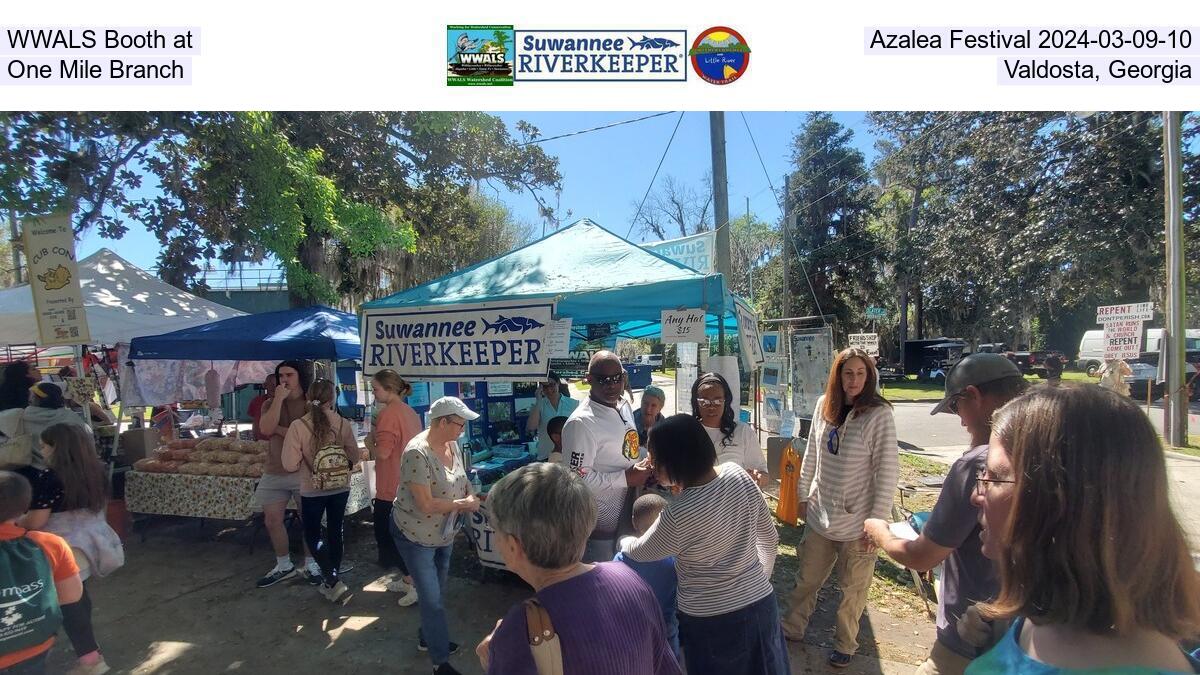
[[321, 446], [37, 575]]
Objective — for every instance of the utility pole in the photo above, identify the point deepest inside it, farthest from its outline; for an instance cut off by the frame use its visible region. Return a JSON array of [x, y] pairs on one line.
[[785, 226], [1175, 419], [16, 245], [716, 125], [750, 263]]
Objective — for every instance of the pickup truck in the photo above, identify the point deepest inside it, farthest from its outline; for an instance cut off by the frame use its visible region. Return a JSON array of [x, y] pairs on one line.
[[1031, 362]]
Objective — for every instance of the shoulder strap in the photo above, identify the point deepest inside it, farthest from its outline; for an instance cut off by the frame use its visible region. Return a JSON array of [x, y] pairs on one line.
[[311, 432], [543, 642]]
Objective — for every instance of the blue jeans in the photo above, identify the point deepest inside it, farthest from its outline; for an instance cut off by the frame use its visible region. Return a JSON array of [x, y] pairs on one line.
[[747, 641], [429, 567]]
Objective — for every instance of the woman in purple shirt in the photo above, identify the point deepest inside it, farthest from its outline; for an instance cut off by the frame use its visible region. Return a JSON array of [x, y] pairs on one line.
[[606, 618]]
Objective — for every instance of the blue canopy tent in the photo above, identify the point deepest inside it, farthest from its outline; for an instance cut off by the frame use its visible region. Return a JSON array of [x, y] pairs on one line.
[[595, 276], [306, 333]]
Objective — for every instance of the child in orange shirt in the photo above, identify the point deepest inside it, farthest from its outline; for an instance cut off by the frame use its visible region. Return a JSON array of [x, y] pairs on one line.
[[37, 574]]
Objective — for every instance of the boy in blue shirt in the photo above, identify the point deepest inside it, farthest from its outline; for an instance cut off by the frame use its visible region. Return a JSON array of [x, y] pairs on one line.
[[660, 574]]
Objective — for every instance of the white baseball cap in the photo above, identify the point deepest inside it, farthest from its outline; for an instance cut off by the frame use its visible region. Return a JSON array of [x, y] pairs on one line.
[[451, 405]]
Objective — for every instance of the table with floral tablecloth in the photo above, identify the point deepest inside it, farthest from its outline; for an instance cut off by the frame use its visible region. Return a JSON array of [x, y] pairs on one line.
[[216, 497]]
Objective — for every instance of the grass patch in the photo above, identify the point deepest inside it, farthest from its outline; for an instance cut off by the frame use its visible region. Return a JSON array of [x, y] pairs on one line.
[[911, 390], [668, 372], [1192, 448]]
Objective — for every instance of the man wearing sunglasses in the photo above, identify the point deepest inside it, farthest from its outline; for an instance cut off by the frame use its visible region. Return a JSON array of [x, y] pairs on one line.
[[976, 387], [600, 443]]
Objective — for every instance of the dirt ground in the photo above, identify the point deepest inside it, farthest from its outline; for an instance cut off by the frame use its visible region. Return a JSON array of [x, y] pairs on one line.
[[186, 603]]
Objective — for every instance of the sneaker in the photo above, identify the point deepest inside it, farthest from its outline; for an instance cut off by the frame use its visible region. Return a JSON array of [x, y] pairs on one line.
[[97, 668], [839, 660], [421, 646], [336, 593], [275, 576], [313, 577], [446, 669], [409, 598], [399, 585]]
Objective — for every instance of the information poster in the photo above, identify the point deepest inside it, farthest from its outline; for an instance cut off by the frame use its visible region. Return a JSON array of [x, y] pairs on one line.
[[812, 359], [54, 280]]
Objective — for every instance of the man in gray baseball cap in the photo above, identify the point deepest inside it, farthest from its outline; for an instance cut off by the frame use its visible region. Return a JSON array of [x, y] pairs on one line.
[[973, 371], [975, 388]]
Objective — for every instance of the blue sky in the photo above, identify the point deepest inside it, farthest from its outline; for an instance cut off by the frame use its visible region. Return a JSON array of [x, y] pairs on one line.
[[605, 173]]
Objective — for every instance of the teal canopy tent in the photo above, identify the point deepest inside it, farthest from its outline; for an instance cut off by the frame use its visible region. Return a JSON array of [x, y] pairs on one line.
[[595, 276]]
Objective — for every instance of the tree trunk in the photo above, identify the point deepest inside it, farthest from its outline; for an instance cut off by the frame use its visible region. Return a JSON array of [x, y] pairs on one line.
[[311, 255], [920, 314]]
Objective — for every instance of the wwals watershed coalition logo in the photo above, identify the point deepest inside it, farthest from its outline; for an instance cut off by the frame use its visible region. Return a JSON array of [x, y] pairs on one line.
[[720, 55], [479, 56], [601, 55]]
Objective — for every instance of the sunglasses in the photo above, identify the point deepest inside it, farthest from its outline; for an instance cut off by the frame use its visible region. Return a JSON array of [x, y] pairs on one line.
[[608, 379], [710, 402], [952, 404], [834, 442]]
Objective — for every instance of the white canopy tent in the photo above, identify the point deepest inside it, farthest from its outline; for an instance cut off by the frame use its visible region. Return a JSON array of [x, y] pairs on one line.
[[122, 302]]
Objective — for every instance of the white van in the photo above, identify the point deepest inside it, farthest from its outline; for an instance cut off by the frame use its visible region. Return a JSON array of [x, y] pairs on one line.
[[1091, 346]]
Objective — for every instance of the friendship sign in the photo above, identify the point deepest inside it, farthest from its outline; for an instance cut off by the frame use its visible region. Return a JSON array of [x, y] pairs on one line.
[[485, 341]]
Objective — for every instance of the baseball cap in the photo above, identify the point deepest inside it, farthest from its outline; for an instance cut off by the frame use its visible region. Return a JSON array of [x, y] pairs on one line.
[[975, 370], [450, 405]]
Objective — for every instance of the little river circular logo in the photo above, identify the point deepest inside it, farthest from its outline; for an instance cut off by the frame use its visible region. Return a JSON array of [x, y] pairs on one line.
[[720, 55]]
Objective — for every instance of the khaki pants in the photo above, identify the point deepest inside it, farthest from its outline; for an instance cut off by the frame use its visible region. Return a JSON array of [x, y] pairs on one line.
[[942, 661], [817, 557]]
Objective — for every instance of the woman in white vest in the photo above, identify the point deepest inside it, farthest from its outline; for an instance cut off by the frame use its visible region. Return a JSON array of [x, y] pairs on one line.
[[712, 404]]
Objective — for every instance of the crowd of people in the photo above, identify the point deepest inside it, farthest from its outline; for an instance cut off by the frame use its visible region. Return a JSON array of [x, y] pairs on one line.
[[54, 531], [649, 544]]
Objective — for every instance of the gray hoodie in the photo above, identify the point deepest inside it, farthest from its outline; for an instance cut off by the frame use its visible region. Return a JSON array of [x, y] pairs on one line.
[[36, 420]]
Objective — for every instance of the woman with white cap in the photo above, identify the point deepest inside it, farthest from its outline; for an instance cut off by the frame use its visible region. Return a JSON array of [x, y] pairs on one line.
[[433, 493]]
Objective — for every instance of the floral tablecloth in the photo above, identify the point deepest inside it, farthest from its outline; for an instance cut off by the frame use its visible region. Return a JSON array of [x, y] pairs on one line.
[[216, 497]]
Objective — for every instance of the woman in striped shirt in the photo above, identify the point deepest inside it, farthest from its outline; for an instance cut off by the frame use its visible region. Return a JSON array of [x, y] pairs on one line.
[[724, 542], [848, 475]]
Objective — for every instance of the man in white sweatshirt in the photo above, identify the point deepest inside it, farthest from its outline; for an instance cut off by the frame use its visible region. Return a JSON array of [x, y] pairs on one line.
[[600, 443]]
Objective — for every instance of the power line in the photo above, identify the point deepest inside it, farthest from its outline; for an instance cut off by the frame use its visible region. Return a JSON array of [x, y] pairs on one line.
[[599, 128], [653, 178]]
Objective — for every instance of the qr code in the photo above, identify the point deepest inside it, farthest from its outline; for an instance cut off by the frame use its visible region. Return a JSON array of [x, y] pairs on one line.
[[71, 315], [74, 331]]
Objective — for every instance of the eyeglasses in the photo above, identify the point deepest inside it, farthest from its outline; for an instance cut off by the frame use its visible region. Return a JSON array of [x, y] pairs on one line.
[[834, 442], [982, 480], [458, 423], [710, 402], [608, 379]]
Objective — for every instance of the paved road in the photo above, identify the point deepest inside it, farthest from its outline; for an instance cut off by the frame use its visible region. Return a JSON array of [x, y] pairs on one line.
[[942, 437]]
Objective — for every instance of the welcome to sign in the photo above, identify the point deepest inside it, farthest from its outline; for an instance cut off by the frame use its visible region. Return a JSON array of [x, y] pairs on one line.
[[483, 341]]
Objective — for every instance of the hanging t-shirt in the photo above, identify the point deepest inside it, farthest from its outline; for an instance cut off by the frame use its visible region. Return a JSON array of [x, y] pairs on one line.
[[741, 448], [789, 479]]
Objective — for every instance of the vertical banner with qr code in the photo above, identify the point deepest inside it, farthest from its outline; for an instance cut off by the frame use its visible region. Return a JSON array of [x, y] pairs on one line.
[[54, 280]]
